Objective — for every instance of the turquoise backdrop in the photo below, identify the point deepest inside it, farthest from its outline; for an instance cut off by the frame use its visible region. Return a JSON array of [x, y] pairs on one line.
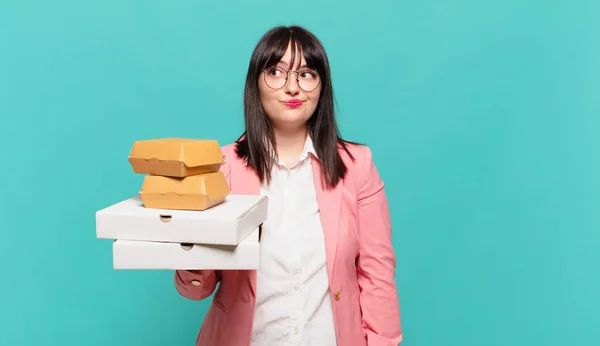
[[483, 116]]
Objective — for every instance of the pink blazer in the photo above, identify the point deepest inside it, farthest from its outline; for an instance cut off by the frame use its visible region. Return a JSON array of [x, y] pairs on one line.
[[360, 262]]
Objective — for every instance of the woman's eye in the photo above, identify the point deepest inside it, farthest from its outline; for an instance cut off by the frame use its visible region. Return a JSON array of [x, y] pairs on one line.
[[276, 72], [308, 75]]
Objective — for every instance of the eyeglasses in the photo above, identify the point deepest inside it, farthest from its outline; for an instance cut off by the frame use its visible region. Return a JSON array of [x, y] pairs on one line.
[[277, 77]]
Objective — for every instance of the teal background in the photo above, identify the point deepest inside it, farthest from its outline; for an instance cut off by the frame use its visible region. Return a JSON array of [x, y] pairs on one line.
[[483, 116]]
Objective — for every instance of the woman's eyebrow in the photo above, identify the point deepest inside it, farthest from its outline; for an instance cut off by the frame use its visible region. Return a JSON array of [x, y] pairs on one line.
[[283, 62]]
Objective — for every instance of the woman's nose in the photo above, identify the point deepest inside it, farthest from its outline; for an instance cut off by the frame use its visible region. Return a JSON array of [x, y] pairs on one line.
[[292, 86]]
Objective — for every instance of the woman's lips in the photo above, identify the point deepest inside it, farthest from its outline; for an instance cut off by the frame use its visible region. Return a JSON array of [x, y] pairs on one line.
[[293, 103]]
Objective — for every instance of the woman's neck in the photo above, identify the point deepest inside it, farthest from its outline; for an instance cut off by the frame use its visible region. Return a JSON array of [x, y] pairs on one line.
[[290, 145]]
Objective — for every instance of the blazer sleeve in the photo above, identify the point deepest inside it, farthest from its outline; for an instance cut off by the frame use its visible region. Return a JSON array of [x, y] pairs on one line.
[[196, 284], [376, 262], [200, 284]]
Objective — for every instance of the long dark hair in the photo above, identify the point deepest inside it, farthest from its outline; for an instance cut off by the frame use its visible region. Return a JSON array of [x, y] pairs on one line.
[[322, 126]]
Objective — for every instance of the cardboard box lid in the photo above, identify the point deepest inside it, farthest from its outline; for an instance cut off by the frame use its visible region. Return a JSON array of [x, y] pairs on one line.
[[213, 185], [227, 223], [191, 152]]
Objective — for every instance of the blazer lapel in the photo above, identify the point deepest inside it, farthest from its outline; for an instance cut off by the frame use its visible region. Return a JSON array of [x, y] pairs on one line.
[[330, 202]]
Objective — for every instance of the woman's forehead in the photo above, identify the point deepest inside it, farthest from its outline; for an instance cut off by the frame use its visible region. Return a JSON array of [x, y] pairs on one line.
[[298, 60]]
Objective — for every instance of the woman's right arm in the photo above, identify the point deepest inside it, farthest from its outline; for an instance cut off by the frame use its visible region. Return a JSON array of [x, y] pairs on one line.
[[196, 284]]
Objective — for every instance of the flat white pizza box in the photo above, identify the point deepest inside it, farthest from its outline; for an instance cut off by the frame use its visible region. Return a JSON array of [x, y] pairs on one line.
[[131, 254], [225, 224]]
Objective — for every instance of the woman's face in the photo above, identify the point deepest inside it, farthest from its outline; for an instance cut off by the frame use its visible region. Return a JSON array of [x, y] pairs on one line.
[[289, 107]]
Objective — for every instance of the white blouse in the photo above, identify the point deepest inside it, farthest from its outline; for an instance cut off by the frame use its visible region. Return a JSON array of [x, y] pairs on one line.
[[293, 304]]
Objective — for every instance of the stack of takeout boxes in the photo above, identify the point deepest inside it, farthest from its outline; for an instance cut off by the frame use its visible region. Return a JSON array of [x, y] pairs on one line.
[[185, 216]]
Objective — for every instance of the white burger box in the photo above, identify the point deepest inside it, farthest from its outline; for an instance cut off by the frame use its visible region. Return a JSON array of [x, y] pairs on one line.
[[225, 224], [131, 254]]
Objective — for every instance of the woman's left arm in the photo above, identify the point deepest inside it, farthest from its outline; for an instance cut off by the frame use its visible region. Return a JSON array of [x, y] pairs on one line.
[[376, 263]]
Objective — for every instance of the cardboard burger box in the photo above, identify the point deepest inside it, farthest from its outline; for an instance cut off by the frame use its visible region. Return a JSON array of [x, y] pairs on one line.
[[227, 223], [196, 192], [172, 256], [176, 157]]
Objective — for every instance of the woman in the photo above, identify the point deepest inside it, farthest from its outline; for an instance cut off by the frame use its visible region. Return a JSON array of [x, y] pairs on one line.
[[327, 263]]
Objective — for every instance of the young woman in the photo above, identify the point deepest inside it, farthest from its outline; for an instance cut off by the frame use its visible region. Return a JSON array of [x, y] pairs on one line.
[[327, 263]]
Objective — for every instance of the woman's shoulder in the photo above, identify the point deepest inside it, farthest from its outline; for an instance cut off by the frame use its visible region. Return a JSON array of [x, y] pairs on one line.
[[228, 148], [229, 151], [355, 154], [361, 168]]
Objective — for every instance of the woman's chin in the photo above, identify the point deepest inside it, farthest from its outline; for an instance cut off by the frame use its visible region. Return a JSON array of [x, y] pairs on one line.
[[290, 123], [292, 117]]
